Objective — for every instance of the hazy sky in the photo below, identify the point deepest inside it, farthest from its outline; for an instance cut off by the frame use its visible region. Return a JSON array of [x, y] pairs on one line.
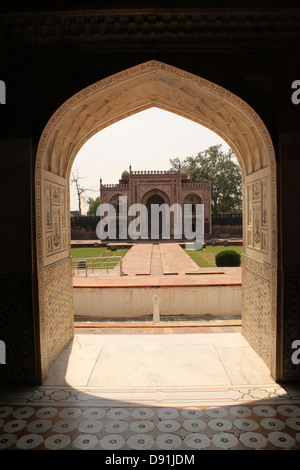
[[146, 140]]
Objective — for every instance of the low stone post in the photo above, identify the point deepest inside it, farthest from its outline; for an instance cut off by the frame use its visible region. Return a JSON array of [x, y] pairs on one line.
[[156, 315]]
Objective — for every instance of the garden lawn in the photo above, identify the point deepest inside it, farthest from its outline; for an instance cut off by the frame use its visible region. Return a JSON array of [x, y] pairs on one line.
[[91, 252], [205, 258]]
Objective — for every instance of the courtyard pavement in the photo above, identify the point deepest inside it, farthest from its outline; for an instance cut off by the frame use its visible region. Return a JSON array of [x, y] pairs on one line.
[[173, 386], [165, 264], [147, 392]]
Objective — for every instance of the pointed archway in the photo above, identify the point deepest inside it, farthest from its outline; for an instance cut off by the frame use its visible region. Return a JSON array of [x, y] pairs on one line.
[[155, 197], [117, 97]]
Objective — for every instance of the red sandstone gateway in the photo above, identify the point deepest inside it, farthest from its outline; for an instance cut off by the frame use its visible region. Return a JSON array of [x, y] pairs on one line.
[[157, 188]]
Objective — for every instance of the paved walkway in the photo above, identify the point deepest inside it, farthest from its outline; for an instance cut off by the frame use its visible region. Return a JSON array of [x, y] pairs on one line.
[[158, 259], [176, 261], [164, 264], [137, 260], [156, 262]]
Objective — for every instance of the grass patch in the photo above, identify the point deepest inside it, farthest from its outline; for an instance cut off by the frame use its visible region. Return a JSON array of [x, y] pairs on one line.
[[91, 252], [205, 258], [199, 259]]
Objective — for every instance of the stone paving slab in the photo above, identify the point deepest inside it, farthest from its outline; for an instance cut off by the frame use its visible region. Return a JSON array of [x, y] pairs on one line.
[[156, 262], [175, 260], [177, 360], [205, 277], [137, 260]]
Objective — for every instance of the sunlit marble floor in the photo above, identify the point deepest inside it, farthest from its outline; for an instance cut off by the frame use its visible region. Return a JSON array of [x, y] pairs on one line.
[[153, 392], [156, 361]]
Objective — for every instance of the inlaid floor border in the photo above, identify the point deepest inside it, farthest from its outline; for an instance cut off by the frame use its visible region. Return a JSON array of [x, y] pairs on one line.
[[131, 397]]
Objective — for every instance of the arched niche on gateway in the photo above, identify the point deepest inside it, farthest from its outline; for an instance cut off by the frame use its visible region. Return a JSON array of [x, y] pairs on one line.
[[164, 198], [154, 84]]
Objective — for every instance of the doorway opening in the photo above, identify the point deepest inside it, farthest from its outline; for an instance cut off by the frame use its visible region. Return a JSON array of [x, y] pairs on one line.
[[188, 291], [142, 87], [155, 199]]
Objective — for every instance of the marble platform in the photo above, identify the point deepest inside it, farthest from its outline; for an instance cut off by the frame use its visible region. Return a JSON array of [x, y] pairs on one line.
[[156, 361]]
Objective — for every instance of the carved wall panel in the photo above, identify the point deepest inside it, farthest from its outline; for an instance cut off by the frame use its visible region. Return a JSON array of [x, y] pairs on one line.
[[56, 226], [259, 308], [55, 282], [57, 316], [257, 215]]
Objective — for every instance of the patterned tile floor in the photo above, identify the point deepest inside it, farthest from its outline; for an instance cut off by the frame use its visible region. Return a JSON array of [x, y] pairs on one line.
[[162, 419], [237, 427]]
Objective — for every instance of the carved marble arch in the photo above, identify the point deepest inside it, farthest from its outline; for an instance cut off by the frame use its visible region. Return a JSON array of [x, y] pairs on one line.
[[154, 84]]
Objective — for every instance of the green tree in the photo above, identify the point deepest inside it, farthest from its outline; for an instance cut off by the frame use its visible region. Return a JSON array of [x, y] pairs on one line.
[[93, 204], [219, 167]]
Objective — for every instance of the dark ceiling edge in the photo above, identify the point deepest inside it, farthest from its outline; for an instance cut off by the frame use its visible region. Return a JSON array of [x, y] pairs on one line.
[[148, 11]]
